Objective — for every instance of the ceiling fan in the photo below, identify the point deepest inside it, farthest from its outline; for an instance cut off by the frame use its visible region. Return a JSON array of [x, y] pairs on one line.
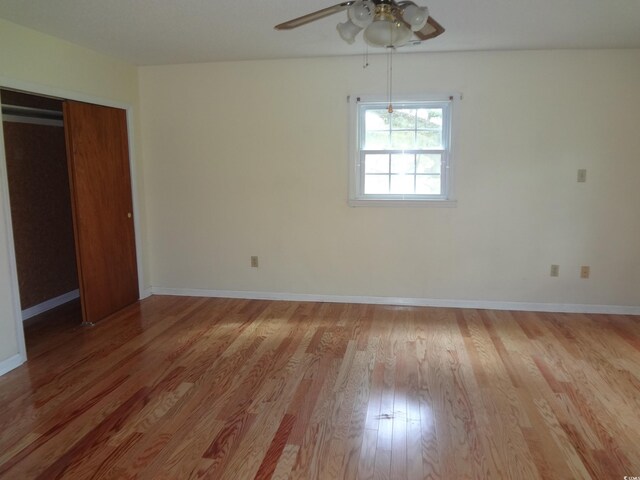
[[386, 23]]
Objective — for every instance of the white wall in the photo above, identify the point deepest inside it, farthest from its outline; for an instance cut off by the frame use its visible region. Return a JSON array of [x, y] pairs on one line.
[[250, 158], [36, 62]]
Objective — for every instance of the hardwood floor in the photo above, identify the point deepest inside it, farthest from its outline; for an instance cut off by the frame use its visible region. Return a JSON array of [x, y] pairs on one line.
[[179, 387]]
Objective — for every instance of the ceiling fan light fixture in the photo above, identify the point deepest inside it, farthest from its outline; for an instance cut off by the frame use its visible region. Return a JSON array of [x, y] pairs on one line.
[[348, 31], [361, 13], [404, 19], [415, 16]]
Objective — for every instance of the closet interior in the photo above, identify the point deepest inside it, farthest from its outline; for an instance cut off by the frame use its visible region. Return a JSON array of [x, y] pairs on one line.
[[40, 202]]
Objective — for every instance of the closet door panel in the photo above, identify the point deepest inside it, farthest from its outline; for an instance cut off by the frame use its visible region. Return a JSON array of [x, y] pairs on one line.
[[98, 157]]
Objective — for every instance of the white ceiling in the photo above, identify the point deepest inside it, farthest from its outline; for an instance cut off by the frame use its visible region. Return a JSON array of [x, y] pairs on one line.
[[152, 32]]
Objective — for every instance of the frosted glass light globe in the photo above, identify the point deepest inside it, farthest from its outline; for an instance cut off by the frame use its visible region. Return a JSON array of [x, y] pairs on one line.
[[361, 13], [386, 33], [415, 16], [348, 31]]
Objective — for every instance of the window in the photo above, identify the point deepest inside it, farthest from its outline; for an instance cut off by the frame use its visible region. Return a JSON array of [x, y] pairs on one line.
[[402, 157]]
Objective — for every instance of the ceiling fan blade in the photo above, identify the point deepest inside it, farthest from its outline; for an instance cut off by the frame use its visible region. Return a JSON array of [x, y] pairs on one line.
[[312, 17], [431, 30]]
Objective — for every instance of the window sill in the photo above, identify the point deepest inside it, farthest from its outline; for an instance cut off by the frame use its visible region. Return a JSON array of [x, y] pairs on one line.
[[403, 203]]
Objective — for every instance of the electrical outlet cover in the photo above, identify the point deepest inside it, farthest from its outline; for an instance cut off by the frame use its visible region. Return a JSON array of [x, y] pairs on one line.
[[582, 175], [585, 271]]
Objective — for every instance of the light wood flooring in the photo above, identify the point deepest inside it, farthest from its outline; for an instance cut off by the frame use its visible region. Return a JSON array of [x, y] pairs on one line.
[[180, 387]]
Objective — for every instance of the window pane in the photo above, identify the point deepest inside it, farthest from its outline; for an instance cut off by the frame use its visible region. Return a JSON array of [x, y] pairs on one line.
[[400, 140], [403, 164], [377, 140], [376, 184], [402, 184], [429, 139], [376, 164], [429, 163], [428, 184], [376, 120], [403, 118], [429, 118]]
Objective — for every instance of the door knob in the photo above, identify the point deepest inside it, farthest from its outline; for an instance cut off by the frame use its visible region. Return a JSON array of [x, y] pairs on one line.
[[129, 215]]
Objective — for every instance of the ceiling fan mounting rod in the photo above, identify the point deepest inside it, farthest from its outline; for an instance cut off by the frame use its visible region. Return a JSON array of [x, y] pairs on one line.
[[384, 10]]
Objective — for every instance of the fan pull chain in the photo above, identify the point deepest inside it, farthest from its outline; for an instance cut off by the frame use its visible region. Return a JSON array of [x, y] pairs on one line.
[[390, 77], [365, 57]]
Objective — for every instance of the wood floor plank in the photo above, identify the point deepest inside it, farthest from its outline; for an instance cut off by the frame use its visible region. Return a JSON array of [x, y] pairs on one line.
[[285, 464], [185, 387]]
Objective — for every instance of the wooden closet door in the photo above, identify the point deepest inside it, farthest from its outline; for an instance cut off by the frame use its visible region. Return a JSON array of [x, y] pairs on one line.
[[100, 180]]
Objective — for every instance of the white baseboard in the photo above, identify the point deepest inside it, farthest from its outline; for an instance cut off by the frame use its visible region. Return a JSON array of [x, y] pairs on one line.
[[417, 302], [49, 304], [11, 363]]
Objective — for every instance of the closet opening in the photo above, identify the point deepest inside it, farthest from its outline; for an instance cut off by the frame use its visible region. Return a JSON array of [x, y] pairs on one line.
[[41, 215]]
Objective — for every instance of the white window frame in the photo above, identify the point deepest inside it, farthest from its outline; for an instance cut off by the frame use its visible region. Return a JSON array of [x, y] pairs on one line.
[[358, 105]]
